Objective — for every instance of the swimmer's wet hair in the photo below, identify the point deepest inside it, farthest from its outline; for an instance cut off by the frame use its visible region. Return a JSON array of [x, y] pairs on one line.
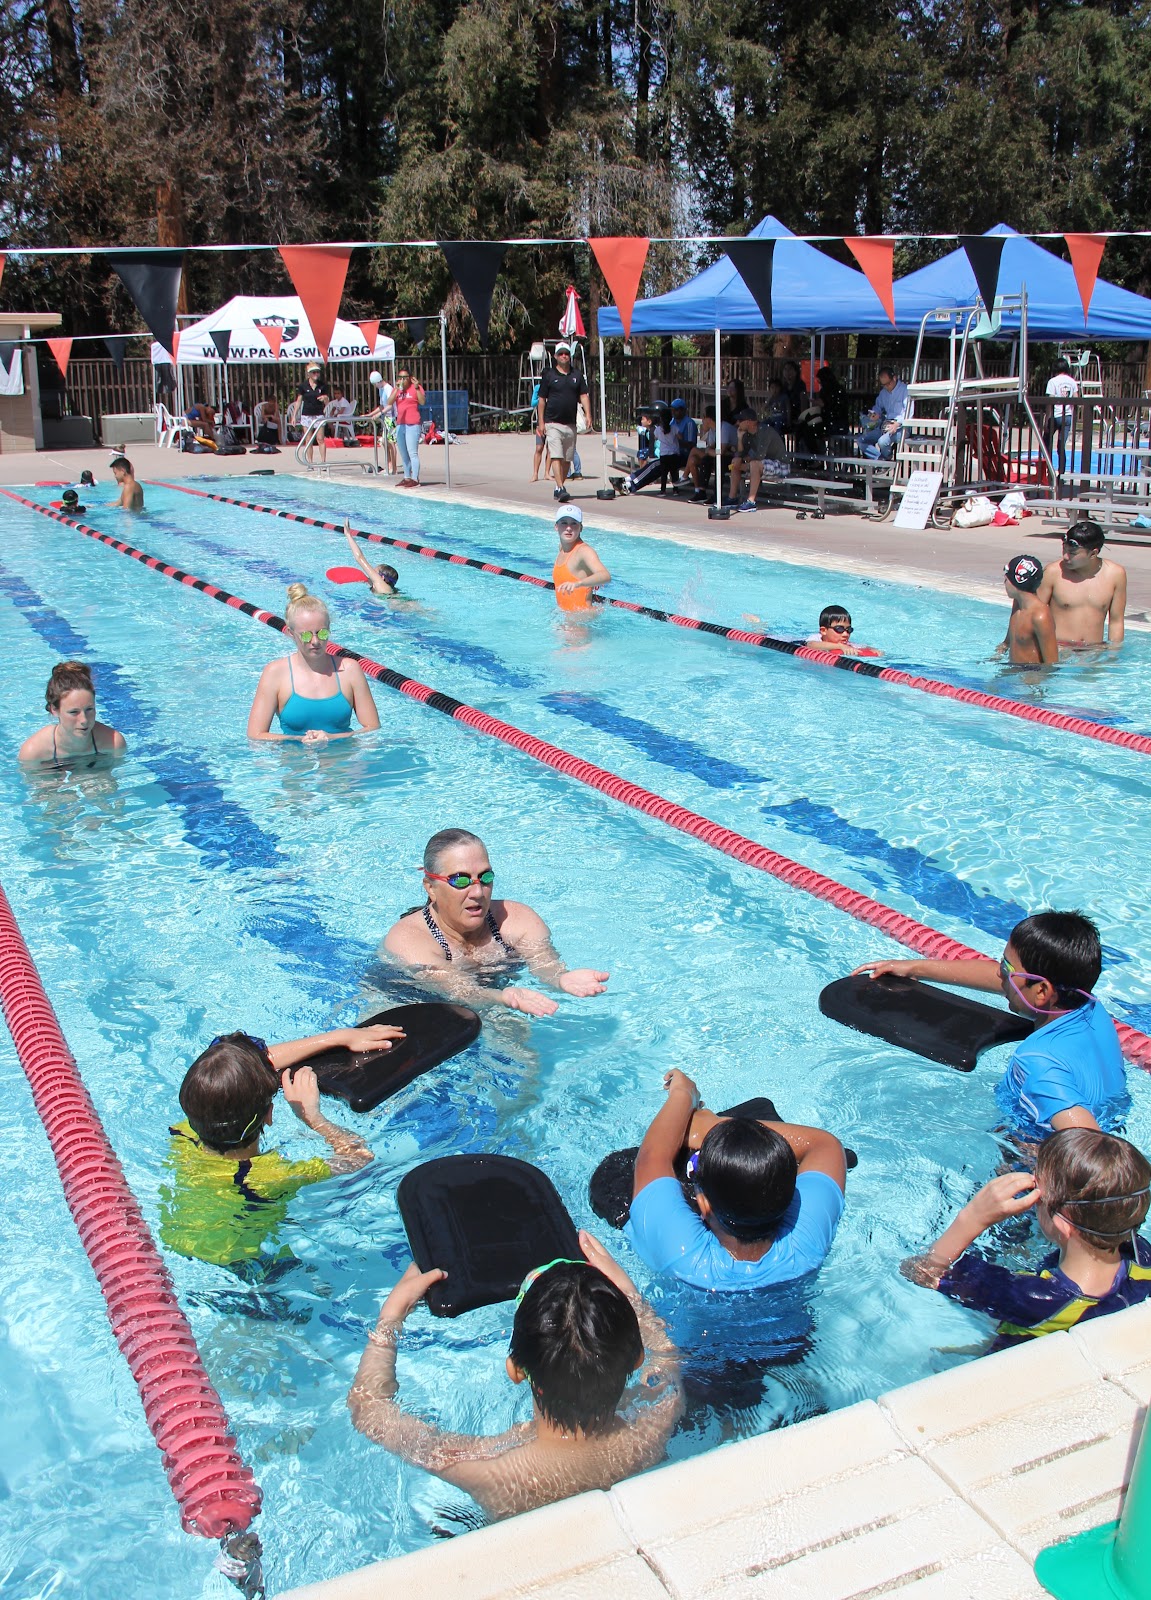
[[831, 614], [446, 839], [747, 1173], [1098, 1181], [389, 575], [119, 461], [576, 1338], [227, 1092], [300, 600], [67, 676], [1063, 947]]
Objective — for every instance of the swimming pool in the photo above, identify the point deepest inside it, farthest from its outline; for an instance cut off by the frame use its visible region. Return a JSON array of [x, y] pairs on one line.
[[205, 884]]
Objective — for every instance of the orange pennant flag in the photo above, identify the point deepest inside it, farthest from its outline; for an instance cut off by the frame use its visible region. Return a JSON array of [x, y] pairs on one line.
[[3, 258], [1086, 252], [622, 262], [877, 258], [371, 332], [175, 345], [274, 333], [318, 272], [62, 350]]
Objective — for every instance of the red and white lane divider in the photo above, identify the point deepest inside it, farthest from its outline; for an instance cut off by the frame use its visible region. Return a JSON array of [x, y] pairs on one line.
[[215, 1490], [897, 925], [1064, 722]]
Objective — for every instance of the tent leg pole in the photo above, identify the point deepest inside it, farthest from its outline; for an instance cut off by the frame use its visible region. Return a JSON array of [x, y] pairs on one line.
[[718, 429], [603, 409], [444, 375]]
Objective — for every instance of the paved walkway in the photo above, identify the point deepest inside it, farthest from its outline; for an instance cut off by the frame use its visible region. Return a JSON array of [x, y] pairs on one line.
[[494, 469]]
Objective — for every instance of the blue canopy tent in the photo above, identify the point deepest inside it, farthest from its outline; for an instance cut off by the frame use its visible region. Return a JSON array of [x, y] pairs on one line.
[[810, 293], [1054, 309]]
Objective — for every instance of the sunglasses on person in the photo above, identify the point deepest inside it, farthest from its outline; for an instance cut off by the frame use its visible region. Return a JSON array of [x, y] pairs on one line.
[[306, 635], [464, 880]]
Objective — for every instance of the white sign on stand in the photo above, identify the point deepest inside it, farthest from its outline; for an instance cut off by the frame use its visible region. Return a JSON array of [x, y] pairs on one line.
[[918, 499]]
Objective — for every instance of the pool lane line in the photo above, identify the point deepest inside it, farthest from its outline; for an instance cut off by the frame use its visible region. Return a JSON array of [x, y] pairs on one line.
[[897, 925], [214, 1488], [1064, 722]]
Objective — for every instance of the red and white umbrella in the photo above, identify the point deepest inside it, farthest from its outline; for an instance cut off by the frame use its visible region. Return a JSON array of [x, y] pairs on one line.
[[571, 323]]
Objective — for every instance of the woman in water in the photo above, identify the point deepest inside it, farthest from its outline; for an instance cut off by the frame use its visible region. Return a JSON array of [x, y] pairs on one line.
[[73, 737], [311, 692], [461, 936]]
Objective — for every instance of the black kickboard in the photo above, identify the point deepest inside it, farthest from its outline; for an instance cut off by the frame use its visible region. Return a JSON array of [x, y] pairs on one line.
[[610, 1186], [929, 1022], [434, 1032], [487, 1220]]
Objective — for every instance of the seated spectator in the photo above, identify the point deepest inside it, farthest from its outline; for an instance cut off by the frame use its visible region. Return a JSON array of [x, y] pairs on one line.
[[835, 632], [341, 410], [664, 463], [1090, 1193], [686, 434], [769, 1196], [579, 1333], [755, 443], [1069, 1072], [700, 461], [834, 400], [883, 424], [228, 1198], [811, 428], [202, 416], [777, 409], [269, 426], [794, 388], [734, 400]]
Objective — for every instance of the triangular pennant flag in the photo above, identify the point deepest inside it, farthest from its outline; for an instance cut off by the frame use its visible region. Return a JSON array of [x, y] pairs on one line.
[[116, 344], [622, 262], [877, 259], [984, 252], [475, 268], [222, 339], [318, 272], [7, 350], [1086, 252], [152, 278], [417, 329], [274, 333], [175, 345], [62, 350], [371, 332], [3, 258], [753, 260]]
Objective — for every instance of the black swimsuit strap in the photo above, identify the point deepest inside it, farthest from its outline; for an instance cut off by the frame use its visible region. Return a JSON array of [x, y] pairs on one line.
[[437, 934]]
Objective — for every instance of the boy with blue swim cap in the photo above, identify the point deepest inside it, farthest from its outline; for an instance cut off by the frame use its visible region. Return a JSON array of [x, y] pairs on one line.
[[1069, 1073]]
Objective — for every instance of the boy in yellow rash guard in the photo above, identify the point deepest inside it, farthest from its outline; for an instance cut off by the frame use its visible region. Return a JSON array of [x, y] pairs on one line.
[[228, 1199]]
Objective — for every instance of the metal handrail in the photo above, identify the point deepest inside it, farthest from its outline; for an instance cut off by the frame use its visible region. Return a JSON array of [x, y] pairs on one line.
[[313, 434]]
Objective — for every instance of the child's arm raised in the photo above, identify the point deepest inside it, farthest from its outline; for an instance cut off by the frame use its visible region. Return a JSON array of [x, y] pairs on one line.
[[1006, 1196], [668, 1132]]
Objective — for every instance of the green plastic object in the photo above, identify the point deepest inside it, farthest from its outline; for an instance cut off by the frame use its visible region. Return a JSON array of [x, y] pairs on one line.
[[1112, 1562]]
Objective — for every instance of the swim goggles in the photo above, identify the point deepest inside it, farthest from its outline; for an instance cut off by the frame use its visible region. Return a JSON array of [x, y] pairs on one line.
[[538, 1272], [840, 627], [1012, 976], [464, 880], [308, 634]]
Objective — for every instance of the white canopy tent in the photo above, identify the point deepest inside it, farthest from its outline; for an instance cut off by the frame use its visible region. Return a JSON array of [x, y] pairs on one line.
[[247, 344]]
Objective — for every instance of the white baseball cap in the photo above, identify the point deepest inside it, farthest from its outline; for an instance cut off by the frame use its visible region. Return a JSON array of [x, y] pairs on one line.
[[569, 514], [563, 346], [375, 377]]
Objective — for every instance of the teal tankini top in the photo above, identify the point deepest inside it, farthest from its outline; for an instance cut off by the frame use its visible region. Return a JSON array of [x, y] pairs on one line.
[[332, 714]]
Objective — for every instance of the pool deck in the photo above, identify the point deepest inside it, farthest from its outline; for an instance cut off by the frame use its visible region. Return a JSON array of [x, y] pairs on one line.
[[944, 1490], [492, 470]]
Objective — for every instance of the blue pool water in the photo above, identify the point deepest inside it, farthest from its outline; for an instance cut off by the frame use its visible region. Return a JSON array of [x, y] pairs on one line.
[[207, 884]]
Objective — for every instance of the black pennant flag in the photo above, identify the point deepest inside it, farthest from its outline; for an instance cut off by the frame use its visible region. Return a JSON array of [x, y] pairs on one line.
[[418, 327], [222, 339], [475, 268], [152, 278], [984, 252], [116, 346], [7, 351], [753, 260]]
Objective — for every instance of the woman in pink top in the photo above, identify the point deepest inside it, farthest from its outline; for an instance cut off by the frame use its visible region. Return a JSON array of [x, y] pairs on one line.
[[408, 399]]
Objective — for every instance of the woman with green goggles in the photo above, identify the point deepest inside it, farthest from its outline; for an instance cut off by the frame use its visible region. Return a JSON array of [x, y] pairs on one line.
[[312, 692], [463, 941]]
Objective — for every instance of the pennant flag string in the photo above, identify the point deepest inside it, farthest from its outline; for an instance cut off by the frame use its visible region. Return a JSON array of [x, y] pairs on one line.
[[754, 260], [318, 273], [152, 278], [622, 262], [985, 252], [1086, 252], [877, 259], [61, 350], [475, 268]]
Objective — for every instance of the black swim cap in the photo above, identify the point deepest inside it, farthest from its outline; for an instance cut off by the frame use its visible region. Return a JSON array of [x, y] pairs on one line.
[[1024, 572]]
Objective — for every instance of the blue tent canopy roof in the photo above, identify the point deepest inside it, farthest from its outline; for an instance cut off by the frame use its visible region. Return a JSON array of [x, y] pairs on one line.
[[1054, 309], [811, 293]]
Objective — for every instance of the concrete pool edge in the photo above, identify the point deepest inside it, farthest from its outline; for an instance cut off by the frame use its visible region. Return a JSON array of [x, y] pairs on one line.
[[948, 1487]]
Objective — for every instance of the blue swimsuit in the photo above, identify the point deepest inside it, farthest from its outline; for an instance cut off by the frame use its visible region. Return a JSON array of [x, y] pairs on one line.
[[333, 714]]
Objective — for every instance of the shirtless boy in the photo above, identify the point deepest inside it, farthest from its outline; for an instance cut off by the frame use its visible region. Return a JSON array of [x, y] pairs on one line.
[[578, 571], [131, 494], [1086, 592], [1030, 640]]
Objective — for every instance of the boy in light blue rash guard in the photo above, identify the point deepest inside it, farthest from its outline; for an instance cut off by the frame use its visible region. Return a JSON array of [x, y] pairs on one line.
[[1069, 1073], [770, 1196]]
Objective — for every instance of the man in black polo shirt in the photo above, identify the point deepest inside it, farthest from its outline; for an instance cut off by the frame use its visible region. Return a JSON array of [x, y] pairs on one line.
[[562, 392], [312, 398]]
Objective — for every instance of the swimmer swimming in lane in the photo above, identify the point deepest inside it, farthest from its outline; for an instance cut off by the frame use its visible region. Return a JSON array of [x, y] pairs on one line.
[[332, 689], [74, 737], [461, 934], [385, 580]]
